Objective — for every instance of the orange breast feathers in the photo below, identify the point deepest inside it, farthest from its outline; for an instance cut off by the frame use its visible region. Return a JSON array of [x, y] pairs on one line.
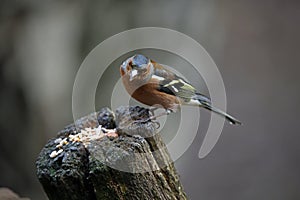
[[148, 94]]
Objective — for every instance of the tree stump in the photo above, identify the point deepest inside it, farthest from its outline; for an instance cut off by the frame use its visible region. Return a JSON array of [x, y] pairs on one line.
[[109, 156]]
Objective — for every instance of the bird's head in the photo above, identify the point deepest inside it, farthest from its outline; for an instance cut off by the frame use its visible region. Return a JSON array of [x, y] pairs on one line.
[[137, 67]]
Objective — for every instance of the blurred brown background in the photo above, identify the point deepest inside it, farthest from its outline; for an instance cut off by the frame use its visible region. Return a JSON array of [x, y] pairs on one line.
[[254, 43]]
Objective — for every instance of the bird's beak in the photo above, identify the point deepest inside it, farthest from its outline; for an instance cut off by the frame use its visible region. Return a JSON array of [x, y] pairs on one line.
[[132, 74]]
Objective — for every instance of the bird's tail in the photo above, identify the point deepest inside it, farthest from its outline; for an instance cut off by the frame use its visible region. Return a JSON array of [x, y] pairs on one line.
[[206, 103]]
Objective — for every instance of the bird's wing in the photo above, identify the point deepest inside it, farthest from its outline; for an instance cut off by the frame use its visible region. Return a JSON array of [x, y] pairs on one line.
[[172, 84]]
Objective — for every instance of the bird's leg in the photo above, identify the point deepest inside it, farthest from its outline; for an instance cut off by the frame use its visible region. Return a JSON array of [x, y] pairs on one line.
[[152, 109], [154, 117], [166, 112]]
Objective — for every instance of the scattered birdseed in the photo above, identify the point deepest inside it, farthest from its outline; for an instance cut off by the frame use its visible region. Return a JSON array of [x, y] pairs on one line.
[[59, 151], [85, 136], [53, 154], [111, 134], [58, 140]]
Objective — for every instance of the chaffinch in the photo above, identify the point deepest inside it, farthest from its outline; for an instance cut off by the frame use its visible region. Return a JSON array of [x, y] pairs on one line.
[[150, 83]]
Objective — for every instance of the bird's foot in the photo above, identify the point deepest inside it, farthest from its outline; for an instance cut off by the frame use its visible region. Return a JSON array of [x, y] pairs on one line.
[[139, 117]]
